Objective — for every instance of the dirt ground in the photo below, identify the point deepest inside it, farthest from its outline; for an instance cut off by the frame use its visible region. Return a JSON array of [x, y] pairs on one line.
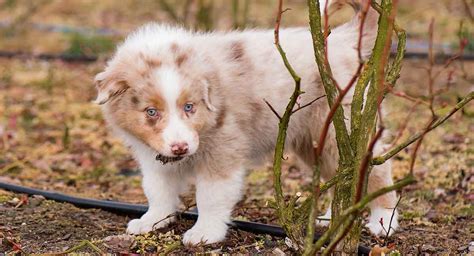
[[52, 137]]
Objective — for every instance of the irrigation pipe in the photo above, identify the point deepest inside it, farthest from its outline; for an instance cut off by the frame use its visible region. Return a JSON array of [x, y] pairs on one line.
[[139, 209], [91, 58]]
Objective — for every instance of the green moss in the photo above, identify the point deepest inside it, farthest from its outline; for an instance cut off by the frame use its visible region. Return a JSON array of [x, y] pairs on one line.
[[410, 215], [5, 198], [425, 195], [467, 211]]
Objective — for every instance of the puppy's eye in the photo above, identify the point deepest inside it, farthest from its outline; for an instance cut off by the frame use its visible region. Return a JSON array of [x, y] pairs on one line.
[[188, 107], [151, 112]]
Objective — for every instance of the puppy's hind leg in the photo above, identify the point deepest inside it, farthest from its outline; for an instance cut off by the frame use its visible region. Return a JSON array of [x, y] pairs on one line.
[[382, 208], [215, 198]]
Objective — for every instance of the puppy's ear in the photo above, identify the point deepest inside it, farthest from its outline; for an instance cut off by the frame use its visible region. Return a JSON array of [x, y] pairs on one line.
[[109, 86], [207, 95]]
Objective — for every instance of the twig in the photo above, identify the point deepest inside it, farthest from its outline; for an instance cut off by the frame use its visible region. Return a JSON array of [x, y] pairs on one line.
[[418, 144], [382, 159], [307, 104], [272, 109], [285, 212], [84, 243], [365, 165], [391, 218]]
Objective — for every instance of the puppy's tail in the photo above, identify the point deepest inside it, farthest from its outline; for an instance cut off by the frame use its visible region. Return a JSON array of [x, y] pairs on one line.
[[349, 33]]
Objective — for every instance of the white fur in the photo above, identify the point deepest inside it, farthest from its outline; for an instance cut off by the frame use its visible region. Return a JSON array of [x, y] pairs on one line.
[[176, 130], [162, 185], [377, 214], [215, 200], [325, 219]]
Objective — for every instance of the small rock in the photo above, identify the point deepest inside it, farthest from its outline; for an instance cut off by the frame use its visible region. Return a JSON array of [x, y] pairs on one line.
[[14, 201], [471, 246], [462, 248], [278, 252], [36, 200], [439, 192], [428, 248], [290, 243]]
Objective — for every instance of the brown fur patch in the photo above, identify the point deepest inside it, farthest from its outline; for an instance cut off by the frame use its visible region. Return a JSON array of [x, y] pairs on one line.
[[147, 65], [221, 117], [237, 51], [135, 100], [180, 59], [184, 97], [153, 63], [181, 55]]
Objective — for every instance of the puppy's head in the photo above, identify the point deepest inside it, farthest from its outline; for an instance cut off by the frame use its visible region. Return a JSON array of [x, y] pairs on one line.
[[162, 99]]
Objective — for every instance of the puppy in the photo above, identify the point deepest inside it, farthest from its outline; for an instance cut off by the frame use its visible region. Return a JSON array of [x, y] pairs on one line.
[[191, 108]]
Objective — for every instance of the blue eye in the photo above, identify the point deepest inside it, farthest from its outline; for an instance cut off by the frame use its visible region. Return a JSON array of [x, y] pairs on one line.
[[188, 107], [151, 112]]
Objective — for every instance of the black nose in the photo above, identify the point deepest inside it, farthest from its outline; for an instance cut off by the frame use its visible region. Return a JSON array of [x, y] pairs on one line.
[[179, 148]]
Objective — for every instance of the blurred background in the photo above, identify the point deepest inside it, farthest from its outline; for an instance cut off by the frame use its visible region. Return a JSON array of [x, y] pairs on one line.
[[93, 27], [52, 137]]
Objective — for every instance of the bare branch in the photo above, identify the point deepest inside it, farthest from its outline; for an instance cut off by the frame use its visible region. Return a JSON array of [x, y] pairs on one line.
[[307, 104], [382, 159], [272, 109]]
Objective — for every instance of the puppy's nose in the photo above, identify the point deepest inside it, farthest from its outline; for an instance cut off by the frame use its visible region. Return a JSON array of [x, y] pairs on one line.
[[180, 148]]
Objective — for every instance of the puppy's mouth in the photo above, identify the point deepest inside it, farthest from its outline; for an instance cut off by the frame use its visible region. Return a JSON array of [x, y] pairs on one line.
[[168, 159]]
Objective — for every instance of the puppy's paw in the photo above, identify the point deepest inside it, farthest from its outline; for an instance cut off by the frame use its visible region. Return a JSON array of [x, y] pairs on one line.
[[207, 233], [146, 224], [325, 219], [379, 216]]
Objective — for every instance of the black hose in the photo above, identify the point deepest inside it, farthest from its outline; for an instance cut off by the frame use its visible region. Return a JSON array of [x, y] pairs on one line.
[[439, 58], [139, 209], [49, 56]]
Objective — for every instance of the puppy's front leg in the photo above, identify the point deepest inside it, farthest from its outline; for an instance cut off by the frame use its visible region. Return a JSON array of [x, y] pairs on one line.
[[162, 189], [215, 197]]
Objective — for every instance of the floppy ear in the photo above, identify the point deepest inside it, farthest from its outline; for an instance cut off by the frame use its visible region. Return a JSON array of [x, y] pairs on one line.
[[109, 86], [206, 96]]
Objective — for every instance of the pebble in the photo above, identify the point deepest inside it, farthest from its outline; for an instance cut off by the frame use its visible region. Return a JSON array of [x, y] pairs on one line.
[[36, 200], [14, 201], [290, 243], [439, 192], [471, 246], [428, 248]]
